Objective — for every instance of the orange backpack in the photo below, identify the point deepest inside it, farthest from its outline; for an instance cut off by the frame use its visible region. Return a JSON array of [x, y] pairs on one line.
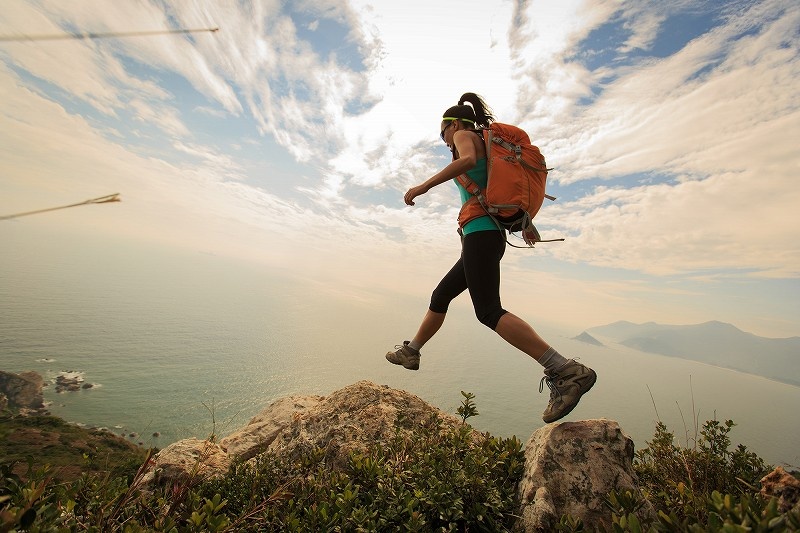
[[516, 175]]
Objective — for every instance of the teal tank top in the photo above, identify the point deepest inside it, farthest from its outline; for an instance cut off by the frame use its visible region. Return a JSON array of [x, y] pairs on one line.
[[479, 175]]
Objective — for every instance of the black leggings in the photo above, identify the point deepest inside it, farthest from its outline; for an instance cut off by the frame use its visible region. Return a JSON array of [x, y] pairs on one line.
[[478, 270]]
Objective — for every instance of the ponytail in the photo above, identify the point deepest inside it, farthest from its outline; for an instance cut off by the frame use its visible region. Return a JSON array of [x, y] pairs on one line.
[[482, 113], [470, 109]]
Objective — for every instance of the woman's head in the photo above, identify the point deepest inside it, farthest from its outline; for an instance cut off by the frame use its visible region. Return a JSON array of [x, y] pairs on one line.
[[470, 112]]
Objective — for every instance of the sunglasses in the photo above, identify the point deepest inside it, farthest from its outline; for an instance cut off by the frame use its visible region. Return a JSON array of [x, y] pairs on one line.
[[445, 129]]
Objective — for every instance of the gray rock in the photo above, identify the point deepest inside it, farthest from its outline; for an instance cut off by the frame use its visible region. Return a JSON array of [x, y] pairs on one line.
[[570, 467], [23, 390], [184, 461], [352, 418], [262, 429], [72, 382], [355, 417]]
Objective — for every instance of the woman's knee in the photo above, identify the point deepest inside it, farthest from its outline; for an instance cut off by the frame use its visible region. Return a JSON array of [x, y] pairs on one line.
[[490, 318], [440, 301]]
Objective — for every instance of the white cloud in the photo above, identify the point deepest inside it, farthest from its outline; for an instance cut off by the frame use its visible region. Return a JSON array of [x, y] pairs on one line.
[[718, 119], [644, 31], [543, 37], [731, 221], [416, 79]]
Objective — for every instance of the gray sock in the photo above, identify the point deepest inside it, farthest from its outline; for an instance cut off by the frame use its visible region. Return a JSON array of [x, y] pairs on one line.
[[414, 345], [551, 360]]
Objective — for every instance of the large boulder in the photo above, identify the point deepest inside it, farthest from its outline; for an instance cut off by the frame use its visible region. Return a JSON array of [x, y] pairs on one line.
[[570, 467], [352, 418], [23, 390], [186, 461], [263, 428], [355, 418]]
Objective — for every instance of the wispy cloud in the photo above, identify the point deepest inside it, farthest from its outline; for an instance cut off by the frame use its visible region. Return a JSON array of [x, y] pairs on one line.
[[708, 131]]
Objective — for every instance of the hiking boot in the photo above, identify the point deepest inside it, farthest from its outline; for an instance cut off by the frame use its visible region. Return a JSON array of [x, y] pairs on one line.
[[408, 357], [567, 384]]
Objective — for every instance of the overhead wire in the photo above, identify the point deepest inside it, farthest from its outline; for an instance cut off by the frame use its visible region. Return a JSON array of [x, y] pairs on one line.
[[90, 35], [100, 35], [101, 200]]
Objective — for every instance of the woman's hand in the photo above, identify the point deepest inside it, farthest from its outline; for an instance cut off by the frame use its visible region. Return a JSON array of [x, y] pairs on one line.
[[413, 192]]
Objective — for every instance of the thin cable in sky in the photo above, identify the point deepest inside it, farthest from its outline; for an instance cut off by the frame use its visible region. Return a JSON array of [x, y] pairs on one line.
[[102, 200], [88, 35]]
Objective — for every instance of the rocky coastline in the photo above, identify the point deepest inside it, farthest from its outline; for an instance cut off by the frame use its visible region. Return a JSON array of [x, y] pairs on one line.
[[23, 391]]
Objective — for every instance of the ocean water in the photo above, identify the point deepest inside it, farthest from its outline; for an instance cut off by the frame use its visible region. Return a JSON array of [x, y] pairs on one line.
[[180, 344]]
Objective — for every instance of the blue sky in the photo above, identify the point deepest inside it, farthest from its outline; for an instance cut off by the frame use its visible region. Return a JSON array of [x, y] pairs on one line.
[[289, 136]]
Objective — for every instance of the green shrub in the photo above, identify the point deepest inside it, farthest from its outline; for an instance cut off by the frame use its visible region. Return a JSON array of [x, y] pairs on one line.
[[708, 487], [679, 480], [66, 448], [442, 479], [724, 513]]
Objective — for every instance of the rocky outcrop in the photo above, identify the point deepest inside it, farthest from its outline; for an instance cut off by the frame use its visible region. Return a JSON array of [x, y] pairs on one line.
[[23, 390], [352, 418], [784, 486], [71, 382], [355, 418], [570, 468], [261, 431]]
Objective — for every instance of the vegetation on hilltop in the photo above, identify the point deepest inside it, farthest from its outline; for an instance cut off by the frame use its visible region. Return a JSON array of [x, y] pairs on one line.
[[68, 450], [438, 480]]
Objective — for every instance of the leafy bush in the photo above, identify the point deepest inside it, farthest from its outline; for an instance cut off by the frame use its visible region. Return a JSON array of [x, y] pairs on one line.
[[724, 513], [442, 479], [704, 488], [679, 480]]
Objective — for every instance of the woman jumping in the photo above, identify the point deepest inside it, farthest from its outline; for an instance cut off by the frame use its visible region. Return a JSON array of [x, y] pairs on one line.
[[478, 270]]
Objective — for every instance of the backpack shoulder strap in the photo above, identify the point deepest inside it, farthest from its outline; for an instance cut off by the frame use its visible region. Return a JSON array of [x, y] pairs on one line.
[[468, 184], [487, 140], [465, 181]]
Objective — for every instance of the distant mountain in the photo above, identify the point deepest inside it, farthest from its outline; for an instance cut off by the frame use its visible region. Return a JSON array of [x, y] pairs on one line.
[[715, 343], [585, 337]]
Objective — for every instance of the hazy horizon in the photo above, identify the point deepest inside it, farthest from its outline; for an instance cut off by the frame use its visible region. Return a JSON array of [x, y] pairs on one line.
[[515, 291], [170, 337]]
